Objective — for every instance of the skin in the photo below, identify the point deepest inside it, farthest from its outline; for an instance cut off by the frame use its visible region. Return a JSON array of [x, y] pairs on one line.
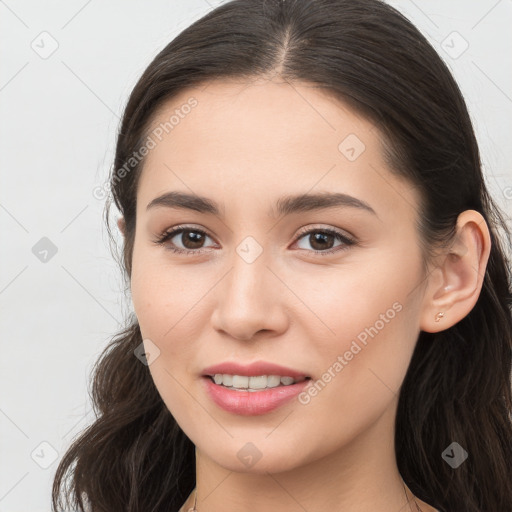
[[245, 145]]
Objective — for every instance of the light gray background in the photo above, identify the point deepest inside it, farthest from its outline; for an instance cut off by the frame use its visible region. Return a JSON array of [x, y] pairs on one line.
[[59, 116]]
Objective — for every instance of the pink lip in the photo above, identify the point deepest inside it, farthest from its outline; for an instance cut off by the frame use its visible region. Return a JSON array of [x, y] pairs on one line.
[[253, 369], [252, 403]]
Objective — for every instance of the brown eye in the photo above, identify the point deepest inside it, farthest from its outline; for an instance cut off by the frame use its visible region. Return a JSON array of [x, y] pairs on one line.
[[322, 241], [183, 240], [191, 239]]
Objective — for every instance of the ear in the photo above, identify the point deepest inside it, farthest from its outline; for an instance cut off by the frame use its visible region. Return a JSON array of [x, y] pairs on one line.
[[121, 225], [455, 284]]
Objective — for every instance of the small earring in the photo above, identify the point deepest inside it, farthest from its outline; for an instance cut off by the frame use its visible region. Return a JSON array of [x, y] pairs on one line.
[[439, 316]]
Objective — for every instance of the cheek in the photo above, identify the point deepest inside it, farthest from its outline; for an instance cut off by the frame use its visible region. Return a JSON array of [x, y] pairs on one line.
[[170, 307], [372, 327], [362, 373], [360, 301], [162, 307], [158, 292]]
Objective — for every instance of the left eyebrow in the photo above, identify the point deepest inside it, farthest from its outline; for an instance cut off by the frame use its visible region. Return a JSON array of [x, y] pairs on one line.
[[286, 205]]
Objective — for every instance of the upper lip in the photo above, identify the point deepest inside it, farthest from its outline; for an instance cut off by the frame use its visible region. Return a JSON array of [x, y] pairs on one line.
[[253, 369]]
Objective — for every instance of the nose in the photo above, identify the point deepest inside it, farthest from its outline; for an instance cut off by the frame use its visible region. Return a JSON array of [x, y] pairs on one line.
[[249, 299]]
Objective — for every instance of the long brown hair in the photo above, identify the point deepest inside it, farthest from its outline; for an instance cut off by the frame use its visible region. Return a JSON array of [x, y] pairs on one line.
[[134, 457]]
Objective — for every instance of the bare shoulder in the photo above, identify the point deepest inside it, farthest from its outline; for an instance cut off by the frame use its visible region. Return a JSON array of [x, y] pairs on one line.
[[425, 507]]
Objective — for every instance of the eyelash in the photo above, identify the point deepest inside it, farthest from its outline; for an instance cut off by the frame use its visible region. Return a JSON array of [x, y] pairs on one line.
[[167, 235]]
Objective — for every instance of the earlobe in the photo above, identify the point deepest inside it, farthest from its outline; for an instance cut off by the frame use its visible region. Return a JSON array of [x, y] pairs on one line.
[[456, 286], [121, 225]]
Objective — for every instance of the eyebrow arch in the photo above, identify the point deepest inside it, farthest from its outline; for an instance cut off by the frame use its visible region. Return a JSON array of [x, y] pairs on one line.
[[285, 205]]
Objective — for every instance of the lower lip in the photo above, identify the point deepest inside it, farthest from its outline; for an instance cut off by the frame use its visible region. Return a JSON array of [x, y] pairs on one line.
[[252, 403]]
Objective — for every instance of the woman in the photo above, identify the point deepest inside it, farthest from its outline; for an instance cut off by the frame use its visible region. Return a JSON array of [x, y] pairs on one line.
[[321, 297]]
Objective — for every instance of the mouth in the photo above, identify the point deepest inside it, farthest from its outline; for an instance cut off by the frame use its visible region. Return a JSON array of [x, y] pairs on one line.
[[260, 378], [253, 383], [253, 395]]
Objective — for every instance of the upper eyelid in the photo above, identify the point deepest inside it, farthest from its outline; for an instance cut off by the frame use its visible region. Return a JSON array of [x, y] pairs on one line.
[[305, 229], [339, 231], [176, 230]]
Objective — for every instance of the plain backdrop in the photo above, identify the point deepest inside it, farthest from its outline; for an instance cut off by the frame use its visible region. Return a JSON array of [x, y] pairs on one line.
[[67, 69]]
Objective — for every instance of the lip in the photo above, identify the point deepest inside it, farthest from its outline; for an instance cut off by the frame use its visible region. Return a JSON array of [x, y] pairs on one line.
[[252, 403], [253, 370]]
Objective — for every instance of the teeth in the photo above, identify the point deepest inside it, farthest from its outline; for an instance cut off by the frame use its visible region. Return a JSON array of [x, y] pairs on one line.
[[253, 383]]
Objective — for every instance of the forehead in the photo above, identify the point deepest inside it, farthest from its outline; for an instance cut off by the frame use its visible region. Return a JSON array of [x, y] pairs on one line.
[[244, 142]]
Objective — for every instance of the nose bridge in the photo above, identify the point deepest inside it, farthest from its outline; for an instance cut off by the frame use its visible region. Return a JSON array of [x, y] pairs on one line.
[[249, 275], [247, 298]]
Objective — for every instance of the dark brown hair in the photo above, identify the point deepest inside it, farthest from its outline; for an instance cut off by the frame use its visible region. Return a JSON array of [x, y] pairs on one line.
[[134, 457]]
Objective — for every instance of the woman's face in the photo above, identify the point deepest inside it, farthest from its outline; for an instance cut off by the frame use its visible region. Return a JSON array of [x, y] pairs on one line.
[[259, 287]]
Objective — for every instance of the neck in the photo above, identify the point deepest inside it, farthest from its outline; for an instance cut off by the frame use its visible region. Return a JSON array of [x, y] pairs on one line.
[[360, 476]]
